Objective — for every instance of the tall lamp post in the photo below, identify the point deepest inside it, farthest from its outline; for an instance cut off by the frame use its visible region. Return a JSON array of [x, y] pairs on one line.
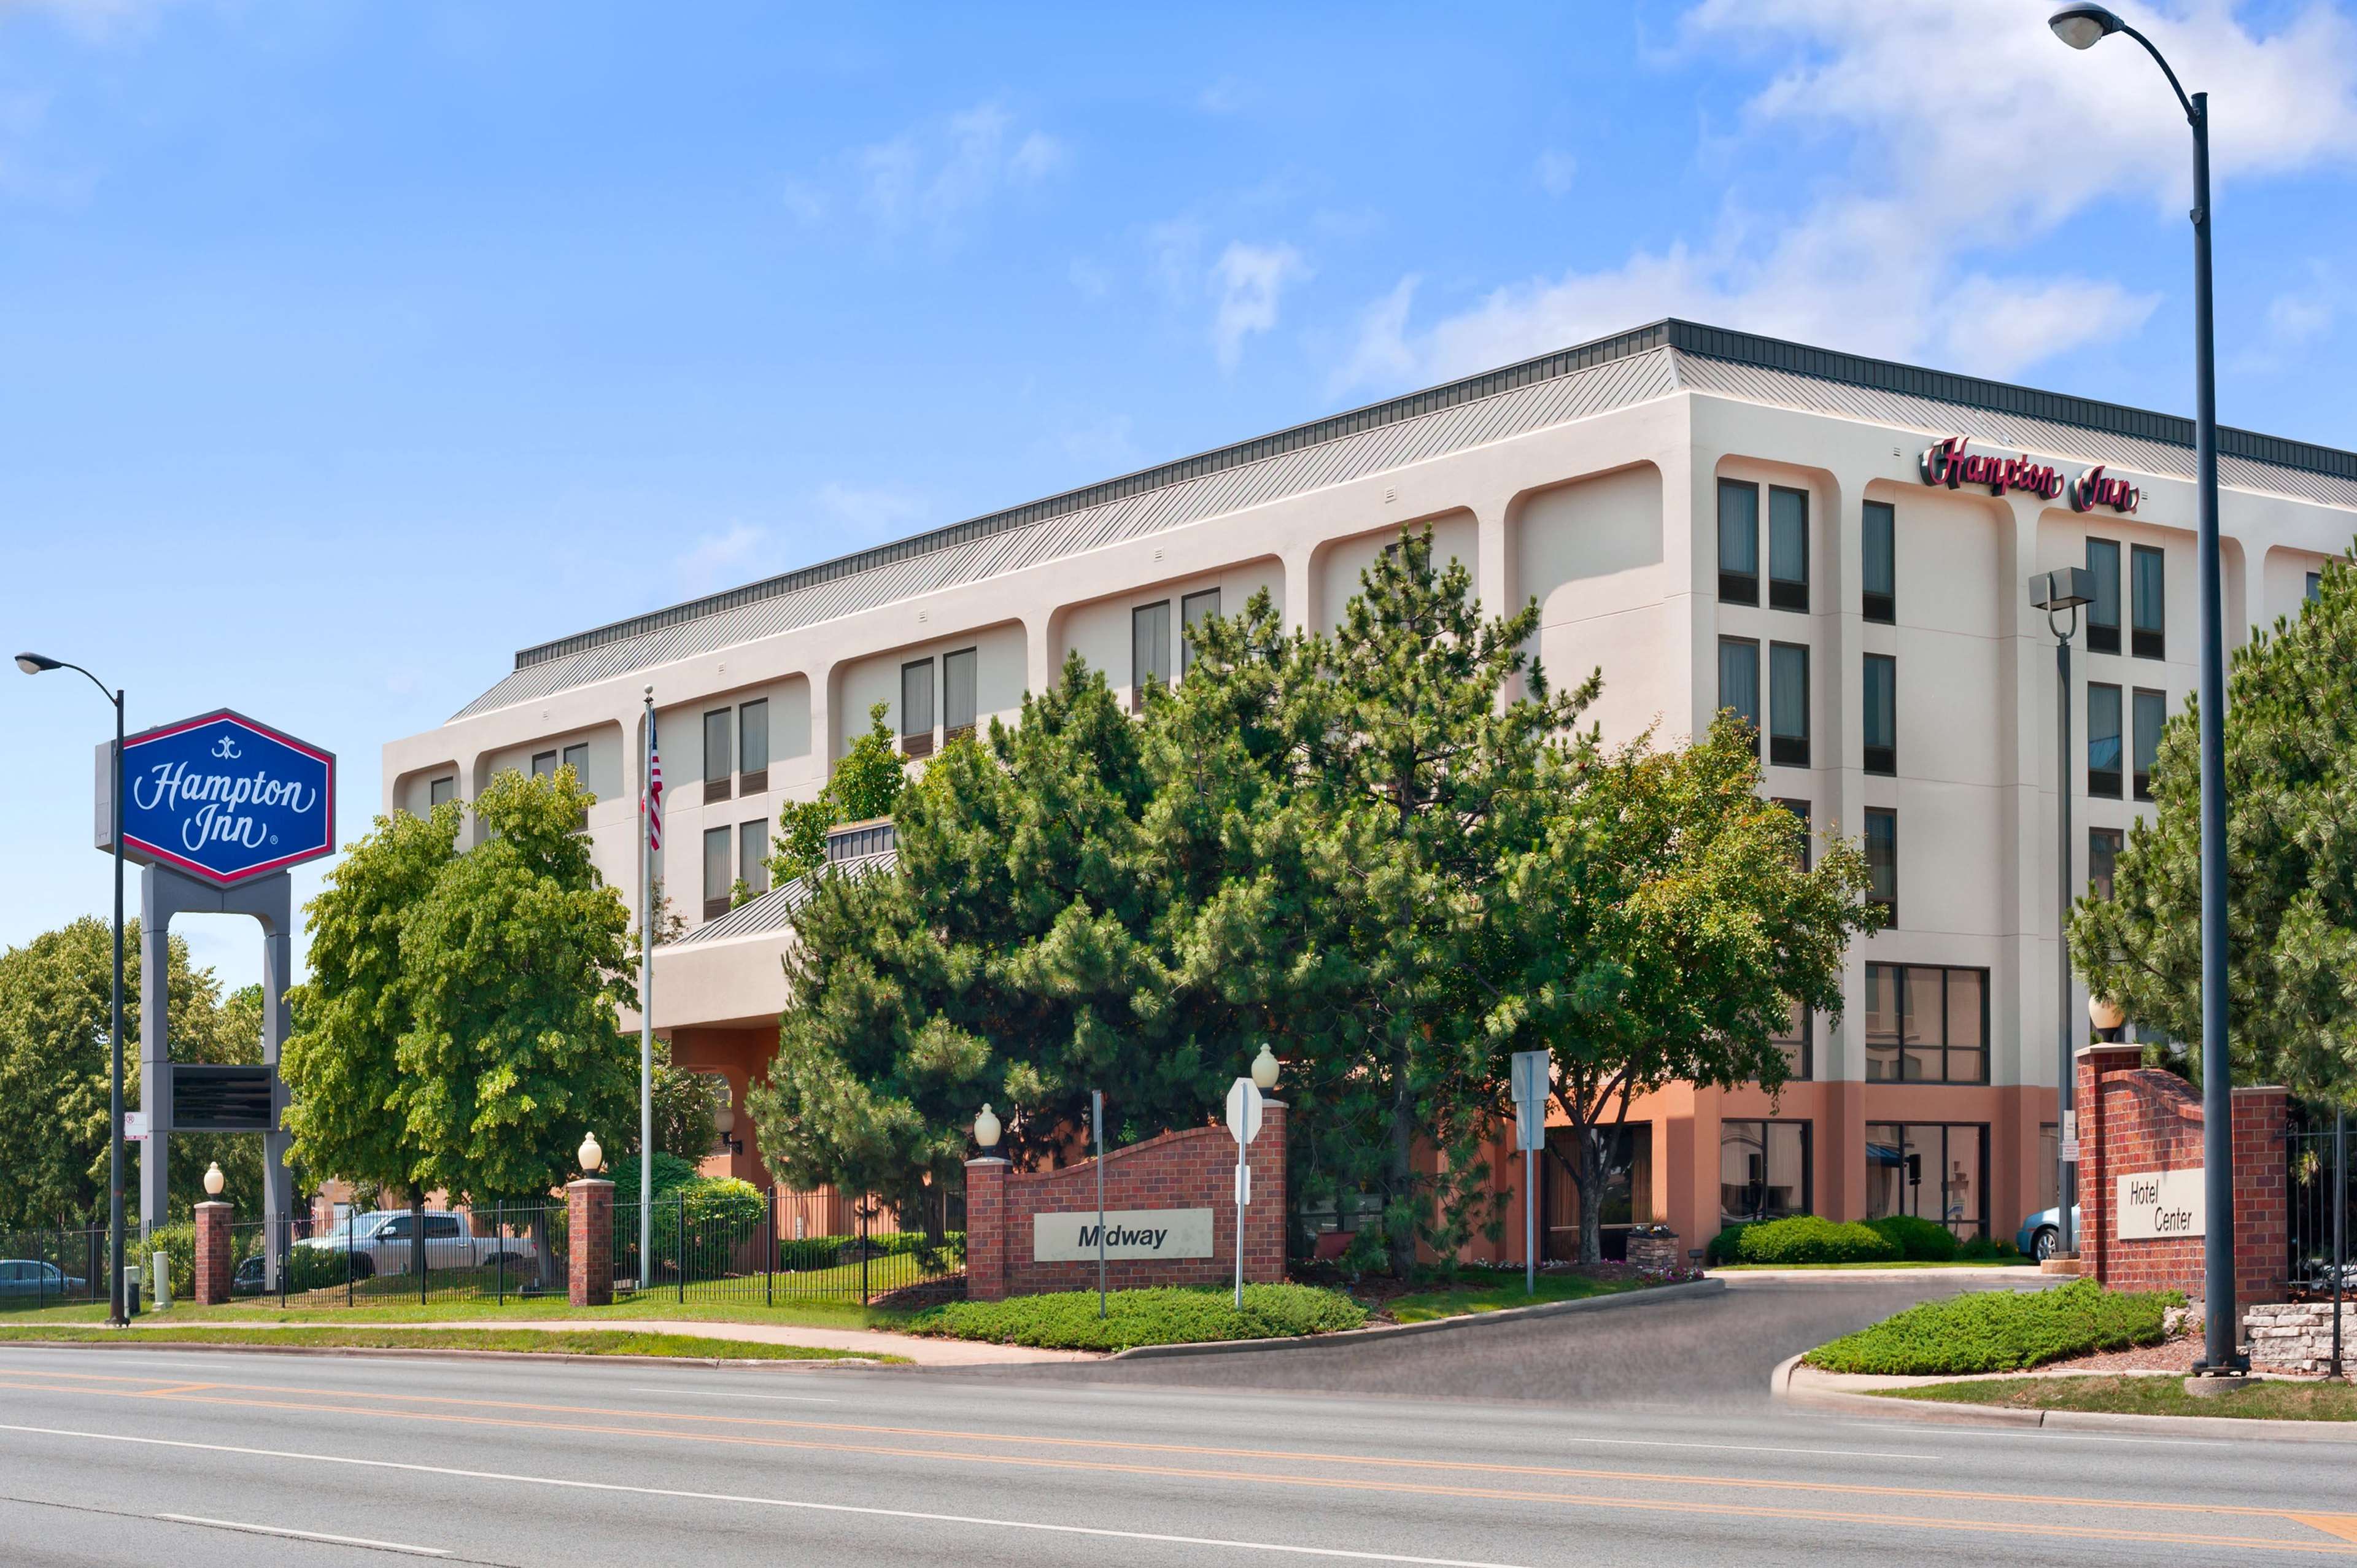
[[2057, 592], [39, 664], [2082, 27]]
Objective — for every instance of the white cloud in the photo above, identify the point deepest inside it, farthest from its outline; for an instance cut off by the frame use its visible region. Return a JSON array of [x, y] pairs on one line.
[[869, 509], [935, 175], [806, 202], [1224, 96], [1250, 279], [1963, 128], [720, 560], [1555, 170]]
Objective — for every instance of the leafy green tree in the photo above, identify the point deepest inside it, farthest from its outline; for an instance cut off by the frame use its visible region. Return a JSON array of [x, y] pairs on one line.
[[684, 1101], [867, 784], [342, 1064], [1658, 927], [2291, 799], [512, 966], [55, 1063]]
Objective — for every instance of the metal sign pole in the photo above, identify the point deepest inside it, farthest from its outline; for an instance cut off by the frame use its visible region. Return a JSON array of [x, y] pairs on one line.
[[646, 1001], [1096, 1122], [1243, 1121], [1530, 1072], [2339, 1228]]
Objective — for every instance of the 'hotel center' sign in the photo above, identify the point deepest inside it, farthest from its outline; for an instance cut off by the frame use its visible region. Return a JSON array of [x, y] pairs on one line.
[[2157, 1205], [220, 796], [1948, 463]]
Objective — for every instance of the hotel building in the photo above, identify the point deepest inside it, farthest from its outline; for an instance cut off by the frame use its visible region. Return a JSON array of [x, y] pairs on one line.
[[1837, 547]]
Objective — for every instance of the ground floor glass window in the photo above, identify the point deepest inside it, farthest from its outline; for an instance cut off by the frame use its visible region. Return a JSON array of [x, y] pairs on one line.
[[1934, 1170], [1763, 1170], [1628, 1190]]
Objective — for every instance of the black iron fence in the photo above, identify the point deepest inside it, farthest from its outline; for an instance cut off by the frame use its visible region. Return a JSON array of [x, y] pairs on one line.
[[789, 1246], [2323, 1206], [51, 1268]]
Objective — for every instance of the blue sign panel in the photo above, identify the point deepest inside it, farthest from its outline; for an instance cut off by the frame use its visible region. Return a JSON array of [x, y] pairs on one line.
[[226, 799]]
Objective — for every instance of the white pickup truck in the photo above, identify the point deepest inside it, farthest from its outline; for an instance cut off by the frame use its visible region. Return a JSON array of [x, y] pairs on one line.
[[384, 1243]]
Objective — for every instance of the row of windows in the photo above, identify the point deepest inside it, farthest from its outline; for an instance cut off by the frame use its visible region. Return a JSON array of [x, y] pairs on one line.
[[2103, 748], [1787, 726], [2148, 619], [748, 725], [1151, 647], [747, 847], [958, 706], [1934, 1170]]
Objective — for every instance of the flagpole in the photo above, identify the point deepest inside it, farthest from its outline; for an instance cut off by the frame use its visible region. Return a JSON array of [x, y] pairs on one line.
[[647, 1003]]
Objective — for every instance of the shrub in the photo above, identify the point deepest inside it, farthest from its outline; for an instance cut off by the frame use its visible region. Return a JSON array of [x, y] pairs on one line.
[[1807, 1238], [178, 1244], [1981, 1249], [1919, 1241], [1067, 1320], [1721, 1249], [2000, 1331], [672, 1173]]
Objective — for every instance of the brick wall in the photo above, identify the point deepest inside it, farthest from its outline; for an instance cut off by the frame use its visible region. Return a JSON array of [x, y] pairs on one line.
[[1191, 1169], [589, 1242], [214, 1261], [2134, 1119]]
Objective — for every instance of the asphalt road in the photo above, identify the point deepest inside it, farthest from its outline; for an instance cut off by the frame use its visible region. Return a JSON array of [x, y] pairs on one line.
[[1621, 1443]]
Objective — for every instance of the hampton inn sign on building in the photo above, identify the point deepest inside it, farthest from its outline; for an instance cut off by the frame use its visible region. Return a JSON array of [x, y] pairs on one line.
[[1830, 545]]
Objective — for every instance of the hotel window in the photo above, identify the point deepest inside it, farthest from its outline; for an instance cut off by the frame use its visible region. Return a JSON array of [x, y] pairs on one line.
[[1926, 1023], [1882, 862], [1628, 1190], [719, 846], [753, 856], [2150, 712], [1739, 543], [1149, 649], [576, 757], [2315, 588], [544, 763], [958, 693], [717, 723], [753, 746], [1807, 847], [1763, 1170], [1788, 705], [1738, 680], [2103, 611], [2145, 580], [1193, 611], [1881, 714], [2103, 859], [916, 708], [441, 790], [2103, 740], [1788, 549], [1794, 1041], [1879, 551], [1932, 1170]]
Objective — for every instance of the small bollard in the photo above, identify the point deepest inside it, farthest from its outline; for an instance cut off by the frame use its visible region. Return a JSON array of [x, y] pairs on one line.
[[132, 1275], [162, 1265]]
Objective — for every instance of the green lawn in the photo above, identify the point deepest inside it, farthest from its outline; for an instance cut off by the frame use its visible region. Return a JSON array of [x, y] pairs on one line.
[[581, 1342], [1175, 1314], [1999, 1331], [540, 1309], [2014, 1262], [1504, 1291], [2148, 1396]]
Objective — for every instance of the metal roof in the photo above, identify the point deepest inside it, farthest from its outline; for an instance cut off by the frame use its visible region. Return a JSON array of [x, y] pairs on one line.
[[775, 910], [1629, 368]]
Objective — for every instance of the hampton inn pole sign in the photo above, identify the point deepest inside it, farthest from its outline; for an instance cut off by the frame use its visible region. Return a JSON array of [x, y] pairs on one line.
[[1948, 463], [222, 797]]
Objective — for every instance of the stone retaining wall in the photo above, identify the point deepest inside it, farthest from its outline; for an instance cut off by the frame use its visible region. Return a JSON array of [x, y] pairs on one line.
[[2297, 1336]]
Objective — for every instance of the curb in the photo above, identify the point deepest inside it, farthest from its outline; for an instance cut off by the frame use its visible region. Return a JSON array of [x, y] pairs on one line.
[[1787, 1383], [1434, 1326], [1970, 1272], [778, 1363]]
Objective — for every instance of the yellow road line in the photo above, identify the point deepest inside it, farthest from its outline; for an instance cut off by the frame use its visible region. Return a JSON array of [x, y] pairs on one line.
[[2048, 1529]]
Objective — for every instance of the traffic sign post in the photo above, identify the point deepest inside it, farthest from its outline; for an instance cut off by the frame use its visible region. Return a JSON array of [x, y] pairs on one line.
[[1530, 1080], [1243, 1125], [1096, 1126]]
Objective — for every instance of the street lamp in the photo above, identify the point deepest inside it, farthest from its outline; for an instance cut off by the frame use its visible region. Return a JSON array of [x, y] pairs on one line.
[[1265, 1070], [2057, 592], [214, 1180], [39, 664], [2084, 27], [591, 1156], [987, 1129]]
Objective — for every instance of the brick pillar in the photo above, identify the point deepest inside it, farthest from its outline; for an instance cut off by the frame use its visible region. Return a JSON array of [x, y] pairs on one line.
[[213, 1265], [2097, 1224], [589, 1242], [1265, 1219], [2261, 1195], [986, 1228]]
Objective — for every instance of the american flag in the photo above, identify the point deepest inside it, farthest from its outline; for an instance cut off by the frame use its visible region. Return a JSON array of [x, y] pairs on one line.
[[652, 804]]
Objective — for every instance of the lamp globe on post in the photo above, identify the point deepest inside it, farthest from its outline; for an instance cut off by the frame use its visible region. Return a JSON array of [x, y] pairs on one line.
[[1265, 1070], [2105, 1016], [593, 1158], [2084, 27], [987, 1129], [214, 1181]]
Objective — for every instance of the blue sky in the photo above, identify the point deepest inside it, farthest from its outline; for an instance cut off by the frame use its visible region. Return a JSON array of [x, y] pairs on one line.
[[345, 348]]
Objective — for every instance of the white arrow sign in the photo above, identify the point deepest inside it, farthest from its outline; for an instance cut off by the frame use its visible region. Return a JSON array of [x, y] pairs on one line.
[[1530, 1099], [1244, 1111]]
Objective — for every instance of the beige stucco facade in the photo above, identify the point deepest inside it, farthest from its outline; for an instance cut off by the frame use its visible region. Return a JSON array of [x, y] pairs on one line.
[[1608, 519]]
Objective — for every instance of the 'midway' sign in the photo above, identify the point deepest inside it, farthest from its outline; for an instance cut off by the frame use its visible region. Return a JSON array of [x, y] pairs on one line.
[[1155, 1234], [2157, 1205], [220, 796]]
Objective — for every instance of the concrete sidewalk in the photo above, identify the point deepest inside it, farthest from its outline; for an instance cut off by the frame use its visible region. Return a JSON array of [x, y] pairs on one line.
[[922, 1350]]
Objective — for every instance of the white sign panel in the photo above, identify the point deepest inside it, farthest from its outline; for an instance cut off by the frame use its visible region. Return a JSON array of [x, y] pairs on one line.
[[1530, 1070], [134, 1126], [1156, 1233], [2155, 1205], [1244, 1111]]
